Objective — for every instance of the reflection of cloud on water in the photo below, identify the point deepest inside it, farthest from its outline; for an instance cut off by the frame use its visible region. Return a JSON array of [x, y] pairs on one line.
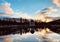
[[6, 38], [44, 35], [48, 37], [21, 37], [16, 37]]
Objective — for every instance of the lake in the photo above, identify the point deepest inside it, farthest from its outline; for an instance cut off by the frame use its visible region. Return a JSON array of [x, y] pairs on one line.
[[28, 35]]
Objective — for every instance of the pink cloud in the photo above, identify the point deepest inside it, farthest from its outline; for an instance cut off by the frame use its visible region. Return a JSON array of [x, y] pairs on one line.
[[5, 7], [57, 2]]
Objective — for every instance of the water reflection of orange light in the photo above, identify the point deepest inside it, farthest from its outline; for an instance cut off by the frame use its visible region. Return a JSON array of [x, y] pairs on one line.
[[48, 30], [45, 34], [7, 39]]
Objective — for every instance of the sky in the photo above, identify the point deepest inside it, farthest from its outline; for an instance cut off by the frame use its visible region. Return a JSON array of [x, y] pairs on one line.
[[29, 8]]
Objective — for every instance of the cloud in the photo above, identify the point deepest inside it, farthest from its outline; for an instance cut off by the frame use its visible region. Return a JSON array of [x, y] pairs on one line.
[[6, 9], [25, 15], [49, 10], [43, 14], [57, 2], [37, 11], [46, 11], [19, 14]]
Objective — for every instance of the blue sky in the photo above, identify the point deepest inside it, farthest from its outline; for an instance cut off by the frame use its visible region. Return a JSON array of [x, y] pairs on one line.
[[29, 6]]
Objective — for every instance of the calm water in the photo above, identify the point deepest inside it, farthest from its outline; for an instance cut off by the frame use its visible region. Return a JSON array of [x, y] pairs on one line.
[[30, 35]]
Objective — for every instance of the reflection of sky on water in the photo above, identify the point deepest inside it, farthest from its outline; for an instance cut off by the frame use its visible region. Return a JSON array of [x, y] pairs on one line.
[[28, 37]]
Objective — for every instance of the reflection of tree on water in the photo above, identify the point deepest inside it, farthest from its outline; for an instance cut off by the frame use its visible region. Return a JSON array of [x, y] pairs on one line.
[[6, 31], [44, 33]]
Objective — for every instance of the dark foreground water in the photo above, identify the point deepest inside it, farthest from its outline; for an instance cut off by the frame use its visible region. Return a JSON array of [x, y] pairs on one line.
[[29, 35]]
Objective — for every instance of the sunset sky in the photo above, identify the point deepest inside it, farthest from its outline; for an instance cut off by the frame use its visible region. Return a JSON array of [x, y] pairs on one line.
[[29, 8]]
